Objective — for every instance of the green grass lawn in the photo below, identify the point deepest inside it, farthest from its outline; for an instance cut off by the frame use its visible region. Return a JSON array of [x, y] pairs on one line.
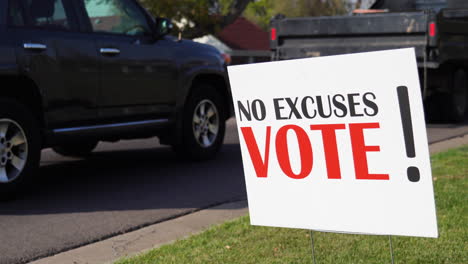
[[238, 242]]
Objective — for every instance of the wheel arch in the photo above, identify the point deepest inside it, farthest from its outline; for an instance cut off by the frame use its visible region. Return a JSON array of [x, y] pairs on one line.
[[24, 90], [220, 83]]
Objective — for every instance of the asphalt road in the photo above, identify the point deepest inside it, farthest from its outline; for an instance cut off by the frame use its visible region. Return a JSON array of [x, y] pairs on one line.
[[122, 187]]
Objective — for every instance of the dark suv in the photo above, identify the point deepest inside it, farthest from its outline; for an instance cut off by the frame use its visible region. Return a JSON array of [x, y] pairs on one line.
[[75, 72]]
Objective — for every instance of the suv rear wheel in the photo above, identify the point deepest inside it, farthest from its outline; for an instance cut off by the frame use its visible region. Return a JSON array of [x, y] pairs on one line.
[[76, 149], [457, 101], [19, 147], [203, 124]]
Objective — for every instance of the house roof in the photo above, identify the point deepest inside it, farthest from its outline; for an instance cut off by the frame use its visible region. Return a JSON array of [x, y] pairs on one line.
[[244, 35]]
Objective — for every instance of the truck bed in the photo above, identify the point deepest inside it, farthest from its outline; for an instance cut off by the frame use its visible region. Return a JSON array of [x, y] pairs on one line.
[[322, 36]]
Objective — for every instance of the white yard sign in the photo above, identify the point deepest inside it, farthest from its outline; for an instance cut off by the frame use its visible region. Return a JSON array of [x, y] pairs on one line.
[[336, 144]]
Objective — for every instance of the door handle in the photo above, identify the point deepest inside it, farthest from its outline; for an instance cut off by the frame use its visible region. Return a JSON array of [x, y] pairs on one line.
[[34, 46], [109, 51]]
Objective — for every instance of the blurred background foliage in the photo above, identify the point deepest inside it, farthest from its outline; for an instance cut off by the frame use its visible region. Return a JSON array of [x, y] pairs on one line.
[[261, 11], [195, 18]]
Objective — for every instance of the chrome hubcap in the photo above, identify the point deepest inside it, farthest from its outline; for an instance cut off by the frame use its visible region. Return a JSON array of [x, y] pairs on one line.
[[13, 150], [205, 123]]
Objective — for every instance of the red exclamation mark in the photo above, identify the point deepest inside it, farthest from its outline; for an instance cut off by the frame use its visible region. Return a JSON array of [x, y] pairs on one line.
[[407, 123]]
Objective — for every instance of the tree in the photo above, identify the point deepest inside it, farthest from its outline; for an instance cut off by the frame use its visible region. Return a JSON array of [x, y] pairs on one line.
[[261, 11], [195, 18]]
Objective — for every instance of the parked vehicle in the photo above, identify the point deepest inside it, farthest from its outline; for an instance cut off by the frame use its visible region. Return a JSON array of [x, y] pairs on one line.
[[76, 72], [437, 29]]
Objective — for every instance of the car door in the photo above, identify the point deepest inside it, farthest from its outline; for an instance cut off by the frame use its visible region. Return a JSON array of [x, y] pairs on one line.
[[61, 61], [138, 72]]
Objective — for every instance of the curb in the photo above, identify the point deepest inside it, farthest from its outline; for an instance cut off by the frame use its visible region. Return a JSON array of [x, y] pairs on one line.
[[448, 144], [132, 243]]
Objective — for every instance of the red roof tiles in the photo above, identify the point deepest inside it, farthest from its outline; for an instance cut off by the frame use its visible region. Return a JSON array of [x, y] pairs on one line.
[[244, 35]]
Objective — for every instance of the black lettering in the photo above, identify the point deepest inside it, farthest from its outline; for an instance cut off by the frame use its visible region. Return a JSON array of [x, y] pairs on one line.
[[262, 110], [340, 106], [353, 104], [305, 111], [292, 106], [370, 104], [321, 107], [278, 108], [243, 111]]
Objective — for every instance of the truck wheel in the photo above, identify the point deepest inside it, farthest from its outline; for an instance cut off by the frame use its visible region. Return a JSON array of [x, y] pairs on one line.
[[432, 108], [76, 149], [458, 98], [20, 147], [203, 124]]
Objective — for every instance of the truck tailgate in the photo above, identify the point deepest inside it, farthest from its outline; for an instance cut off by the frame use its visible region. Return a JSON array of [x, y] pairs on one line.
[[322, 36]]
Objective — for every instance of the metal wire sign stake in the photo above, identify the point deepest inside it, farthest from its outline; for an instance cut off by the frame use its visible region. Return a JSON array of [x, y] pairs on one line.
[[391, 249], [313, 246]]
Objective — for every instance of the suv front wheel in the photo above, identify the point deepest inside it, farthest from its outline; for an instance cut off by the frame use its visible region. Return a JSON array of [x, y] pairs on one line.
[[19, 147], [203, 124]]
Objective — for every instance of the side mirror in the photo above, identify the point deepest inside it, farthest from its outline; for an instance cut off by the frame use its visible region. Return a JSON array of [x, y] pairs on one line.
[[163, 27]]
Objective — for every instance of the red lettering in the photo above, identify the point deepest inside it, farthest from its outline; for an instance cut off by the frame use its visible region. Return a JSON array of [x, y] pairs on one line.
[[305, 148], [261, 166], [360, 149], [330, 147]]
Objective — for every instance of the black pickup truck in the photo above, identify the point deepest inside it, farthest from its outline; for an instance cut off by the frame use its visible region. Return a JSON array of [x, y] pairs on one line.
[[437, 29], [76, 72]]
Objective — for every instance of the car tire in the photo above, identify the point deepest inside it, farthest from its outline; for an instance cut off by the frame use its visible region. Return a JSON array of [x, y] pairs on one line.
[[203, 124], [432, 106], [20, 147], [449, 103], [76, 149], [456, 102]]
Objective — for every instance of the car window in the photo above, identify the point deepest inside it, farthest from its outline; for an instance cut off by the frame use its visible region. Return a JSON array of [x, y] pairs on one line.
[[39, 13], [117, 16], [15, 14]]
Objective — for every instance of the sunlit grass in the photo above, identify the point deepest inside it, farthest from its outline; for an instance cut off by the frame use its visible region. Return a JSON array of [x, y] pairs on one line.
[[239, 242]]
